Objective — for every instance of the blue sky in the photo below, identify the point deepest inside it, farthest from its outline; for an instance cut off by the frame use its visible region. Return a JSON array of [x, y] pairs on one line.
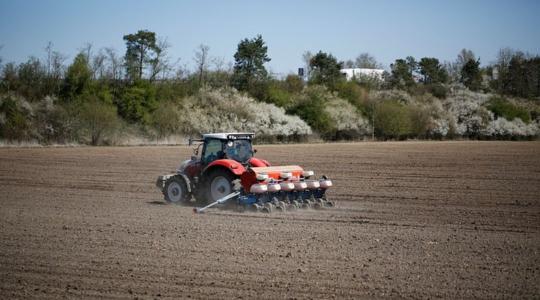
[[386, 29]]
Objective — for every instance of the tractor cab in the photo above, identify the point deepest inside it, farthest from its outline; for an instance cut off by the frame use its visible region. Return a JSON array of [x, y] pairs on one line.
[[230, 150], [233, 146]]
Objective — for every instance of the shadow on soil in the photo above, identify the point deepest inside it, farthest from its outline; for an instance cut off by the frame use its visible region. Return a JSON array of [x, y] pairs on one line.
[[155, 202]]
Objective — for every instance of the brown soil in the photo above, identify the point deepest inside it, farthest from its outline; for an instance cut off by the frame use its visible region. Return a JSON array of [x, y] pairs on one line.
[[414, 220]]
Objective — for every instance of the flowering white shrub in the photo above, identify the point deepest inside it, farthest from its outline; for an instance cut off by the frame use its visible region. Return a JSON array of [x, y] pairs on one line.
[[470, 126], [440, 127], [346, 118], [398, 95], [225, 110], [463, 113], [474, 119], [504, 128]]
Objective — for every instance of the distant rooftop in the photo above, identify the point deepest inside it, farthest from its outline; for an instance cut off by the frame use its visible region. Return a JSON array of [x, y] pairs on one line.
[[350, 73]]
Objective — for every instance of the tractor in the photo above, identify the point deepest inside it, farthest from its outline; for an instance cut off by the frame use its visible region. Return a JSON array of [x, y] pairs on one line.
[[227, 169]]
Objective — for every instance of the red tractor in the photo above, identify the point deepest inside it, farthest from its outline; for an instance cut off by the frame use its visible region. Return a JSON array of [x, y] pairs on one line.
[[227, 170]]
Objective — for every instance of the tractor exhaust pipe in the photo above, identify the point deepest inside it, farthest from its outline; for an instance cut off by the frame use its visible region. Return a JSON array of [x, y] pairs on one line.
[[199, 210]]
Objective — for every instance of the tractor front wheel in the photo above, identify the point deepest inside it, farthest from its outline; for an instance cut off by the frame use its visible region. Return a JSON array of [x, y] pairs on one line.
[[175, 191]]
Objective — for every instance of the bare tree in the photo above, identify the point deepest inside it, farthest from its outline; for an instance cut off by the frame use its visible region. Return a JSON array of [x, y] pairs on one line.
[[49, 49], [115, 64], [55, 68], [201, 59], [57, 64], [464, 56], [503, 58], [367, 61], [98, 64], [219, 64], [230, 67], [87, 51], [348, 64], [453, 70], [182, 71], [1, 46], [161, 62], [221, 74]]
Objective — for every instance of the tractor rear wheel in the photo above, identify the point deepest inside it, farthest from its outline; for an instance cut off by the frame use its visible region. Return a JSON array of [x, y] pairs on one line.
[[175, 191], [219, 184]]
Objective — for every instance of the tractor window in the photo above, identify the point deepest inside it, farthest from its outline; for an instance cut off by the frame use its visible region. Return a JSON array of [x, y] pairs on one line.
[[239, 150], [212, 151]]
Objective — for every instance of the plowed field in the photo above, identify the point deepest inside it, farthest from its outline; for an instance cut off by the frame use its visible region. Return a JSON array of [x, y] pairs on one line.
[[413, 219]]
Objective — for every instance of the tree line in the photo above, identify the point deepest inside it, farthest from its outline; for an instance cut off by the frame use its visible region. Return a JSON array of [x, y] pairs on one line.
[[102, 91]]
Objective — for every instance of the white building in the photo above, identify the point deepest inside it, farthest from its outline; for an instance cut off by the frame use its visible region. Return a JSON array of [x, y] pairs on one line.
[[359, 72]]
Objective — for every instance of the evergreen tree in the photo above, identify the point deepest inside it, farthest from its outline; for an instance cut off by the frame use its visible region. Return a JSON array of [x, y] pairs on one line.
[[471, 76], [78, 78], [325, 70], [432, 70], [250, 57], [402, 73], [142, 49]]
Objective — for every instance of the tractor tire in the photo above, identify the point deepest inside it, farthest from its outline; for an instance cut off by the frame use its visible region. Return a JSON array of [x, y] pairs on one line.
[[218, 184], [175, 191]]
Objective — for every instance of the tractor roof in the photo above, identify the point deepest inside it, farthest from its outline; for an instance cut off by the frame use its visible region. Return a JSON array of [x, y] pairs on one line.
[[228, 135]]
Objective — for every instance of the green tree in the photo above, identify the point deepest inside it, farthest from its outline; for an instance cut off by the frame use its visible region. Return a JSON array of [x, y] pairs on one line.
[[294, 83], [142, 48], [15, 125], [420, 121], [522, 77], [97, 119], [471, 75], [166, 119], [392, 120], [77, 79], [354, 93], [432, 70], [325, 70], [31, 77], [249, 70], [10, 77], [402, 73], [137, 101], [310, 106], [277, 94], [505, 109]]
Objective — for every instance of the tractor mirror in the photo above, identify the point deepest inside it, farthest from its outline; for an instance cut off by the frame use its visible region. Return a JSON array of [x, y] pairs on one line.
[[254, 150]]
